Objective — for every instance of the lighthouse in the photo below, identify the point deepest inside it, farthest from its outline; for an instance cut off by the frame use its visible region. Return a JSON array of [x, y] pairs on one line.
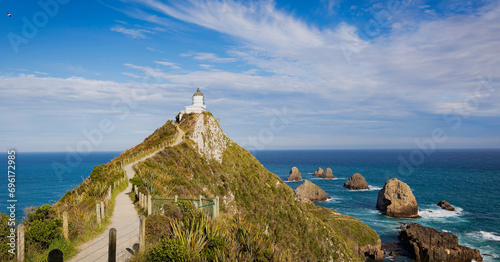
[[198, 104]]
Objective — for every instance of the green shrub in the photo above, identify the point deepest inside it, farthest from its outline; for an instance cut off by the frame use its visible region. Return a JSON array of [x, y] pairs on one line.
[[41, 213], [42, 227], [189, 212], [172, 210], [41, 233], [168, 250], [96, 174], [158, 227]]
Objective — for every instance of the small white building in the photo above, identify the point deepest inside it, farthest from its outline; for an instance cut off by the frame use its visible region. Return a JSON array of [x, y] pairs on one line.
[[198, 105]]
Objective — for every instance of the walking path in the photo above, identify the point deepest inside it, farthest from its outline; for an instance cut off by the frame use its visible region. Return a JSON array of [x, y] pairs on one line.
[[125, 220]]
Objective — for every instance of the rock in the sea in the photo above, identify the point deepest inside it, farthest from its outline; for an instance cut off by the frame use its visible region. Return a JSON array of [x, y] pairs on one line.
[[445, 205], [428, 244], [318, 172], [356, 182], [310, 191], [395, 199], [294, 175], [328, 174]]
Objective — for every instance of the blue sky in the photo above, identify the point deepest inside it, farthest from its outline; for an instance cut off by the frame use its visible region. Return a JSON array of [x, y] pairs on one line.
[[327, 74]]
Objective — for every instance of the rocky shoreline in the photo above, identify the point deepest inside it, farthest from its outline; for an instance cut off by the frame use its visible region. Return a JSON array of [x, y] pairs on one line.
[[429, 244]]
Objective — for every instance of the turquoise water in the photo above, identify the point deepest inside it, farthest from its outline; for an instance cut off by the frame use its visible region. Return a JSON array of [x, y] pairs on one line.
[[38, 182], [468, 179]]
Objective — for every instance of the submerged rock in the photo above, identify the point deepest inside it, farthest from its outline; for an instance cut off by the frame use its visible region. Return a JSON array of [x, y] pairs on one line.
[[395, 199], [356, 182], [445, 205], [310, 191], [428, 244], [294, 175]]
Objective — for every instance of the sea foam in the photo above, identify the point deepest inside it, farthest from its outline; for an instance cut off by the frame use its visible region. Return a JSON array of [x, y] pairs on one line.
[[488, 235], [434, 213]]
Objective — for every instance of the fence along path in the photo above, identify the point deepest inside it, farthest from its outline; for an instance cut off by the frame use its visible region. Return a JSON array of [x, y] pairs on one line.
[[125, 220]]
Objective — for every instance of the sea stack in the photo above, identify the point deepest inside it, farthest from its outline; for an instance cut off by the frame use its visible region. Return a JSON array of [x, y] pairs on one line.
[[395, 199], [328, 174], [318, 172], [294, 175], [311, 192], [445, 205], [428, 244], [356, 182]]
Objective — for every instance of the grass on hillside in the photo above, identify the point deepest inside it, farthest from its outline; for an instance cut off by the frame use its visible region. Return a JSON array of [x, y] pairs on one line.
[[257, 197]]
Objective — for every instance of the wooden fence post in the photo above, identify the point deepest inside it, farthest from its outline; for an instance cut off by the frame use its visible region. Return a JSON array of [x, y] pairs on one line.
[[142, 202], [65, 226], [20, 243], [175, 198], [214, 212], [201, 201], [103, 214], [112, 245], [98, 213], [140, 199], [217, 203], [149, 205], [55, 255], [142, 233]]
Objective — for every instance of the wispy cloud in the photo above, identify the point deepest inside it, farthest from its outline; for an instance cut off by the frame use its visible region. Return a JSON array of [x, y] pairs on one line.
[[211, 57], [169, 64], [154, 50], [131, 32]]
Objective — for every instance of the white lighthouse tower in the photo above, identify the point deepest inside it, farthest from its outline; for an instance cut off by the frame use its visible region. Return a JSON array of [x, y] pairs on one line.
[[198, 105]]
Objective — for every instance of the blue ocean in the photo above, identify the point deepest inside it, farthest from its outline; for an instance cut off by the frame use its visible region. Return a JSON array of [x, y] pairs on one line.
[[43, 178], [468, 179]]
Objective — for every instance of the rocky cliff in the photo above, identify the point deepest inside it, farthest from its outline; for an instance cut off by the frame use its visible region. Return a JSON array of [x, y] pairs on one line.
[[208, 163], [428, 244], [211, 142]]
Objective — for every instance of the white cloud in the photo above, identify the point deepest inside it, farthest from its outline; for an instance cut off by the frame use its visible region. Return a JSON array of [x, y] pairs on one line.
[[154, 50], [206, 66], [169, 64], [131, 32], [131, 75], [211, 57], [49, 113]]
